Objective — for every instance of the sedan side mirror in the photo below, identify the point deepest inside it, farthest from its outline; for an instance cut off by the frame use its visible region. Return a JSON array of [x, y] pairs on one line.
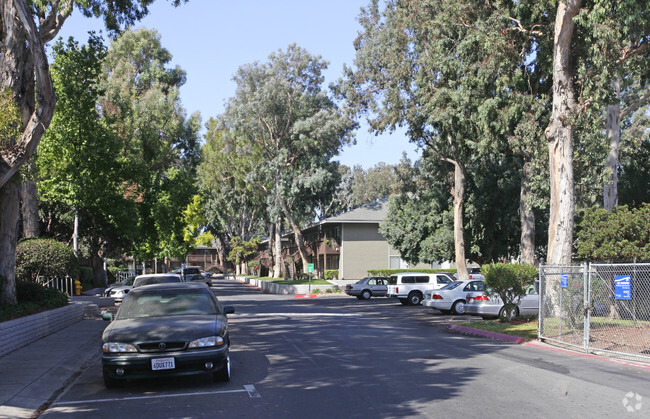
[[228, 310], [108, 317]]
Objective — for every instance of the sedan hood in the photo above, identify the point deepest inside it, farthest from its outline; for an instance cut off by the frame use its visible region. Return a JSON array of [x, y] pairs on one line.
[[151, 329]]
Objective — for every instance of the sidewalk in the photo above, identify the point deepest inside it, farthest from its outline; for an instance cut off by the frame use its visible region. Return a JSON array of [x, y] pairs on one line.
[[34, 375]]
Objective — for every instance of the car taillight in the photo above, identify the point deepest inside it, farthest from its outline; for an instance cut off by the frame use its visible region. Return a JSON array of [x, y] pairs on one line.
[[396, 290], [481, 298], [437, 297], [348, 287]]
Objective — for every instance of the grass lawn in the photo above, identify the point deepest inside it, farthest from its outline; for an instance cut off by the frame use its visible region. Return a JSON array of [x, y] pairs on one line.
[[524, 327]]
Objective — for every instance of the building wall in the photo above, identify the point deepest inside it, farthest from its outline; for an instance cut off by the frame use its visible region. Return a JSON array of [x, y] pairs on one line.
[[363, 248]]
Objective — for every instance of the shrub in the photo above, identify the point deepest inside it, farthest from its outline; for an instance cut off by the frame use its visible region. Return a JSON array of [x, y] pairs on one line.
[[331, 274], [31, 292], [508, 281], [45, 257]]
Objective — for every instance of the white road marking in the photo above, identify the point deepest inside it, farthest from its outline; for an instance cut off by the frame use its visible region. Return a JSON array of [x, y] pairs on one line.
[[250, 389], [252, 393]]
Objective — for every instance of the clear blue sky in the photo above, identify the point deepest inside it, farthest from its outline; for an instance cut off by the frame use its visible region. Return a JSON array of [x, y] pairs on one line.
[[211, 39]]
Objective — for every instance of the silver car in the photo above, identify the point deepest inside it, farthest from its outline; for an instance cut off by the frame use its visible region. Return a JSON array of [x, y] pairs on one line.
[[368, 287], [451, 298], [150, 279], [119, 290], [492, 307]]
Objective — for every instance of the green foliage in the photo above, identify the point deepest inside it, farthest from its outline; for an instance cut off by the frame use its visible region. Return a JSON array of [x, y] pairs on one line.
[[634, 172], [45, 257], [32, 298], [281, 113], [9, 118], [159, 145], [389, 272], [622, 235], [30, 292], [86, 275], [510, 282], [243, 250], [331, 274]]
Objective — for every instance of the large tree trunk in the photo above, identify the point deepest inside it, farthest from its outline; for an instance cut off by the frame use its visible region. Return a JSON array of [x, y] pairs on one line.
[[559, 134], [29, 208], [613, 128], [458, 193], [271, 250], [298, 235], [100, 277], [8, 236], [527, 218], [278, 264], [23, 64]]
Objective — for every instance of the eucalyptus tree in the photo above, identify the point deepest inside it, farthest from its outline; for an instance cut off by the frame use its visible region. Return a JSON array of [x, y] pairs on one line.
[[454, 73], [77, 159], [160, 148], [592, 42], [27, 27], [234, 204], [281, 107]]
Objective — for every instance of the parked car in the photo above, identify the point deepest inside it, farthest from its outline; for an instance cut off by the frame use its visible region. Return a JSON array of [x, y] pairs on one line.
[[451, 298], [167, 330], [371, 286], [119, 290], [141, 280], [193, 273], [409, 287], [474, 273], [478, 303]]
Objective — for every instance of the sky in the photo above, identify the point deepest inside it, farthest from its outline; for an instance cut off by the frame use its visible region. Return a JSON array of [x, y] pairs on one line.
[[211, 39]]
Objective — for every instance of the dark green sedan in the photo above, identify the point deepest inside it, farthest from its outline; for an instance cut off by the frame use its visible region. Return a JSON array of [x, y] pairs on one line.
[[169, 329]]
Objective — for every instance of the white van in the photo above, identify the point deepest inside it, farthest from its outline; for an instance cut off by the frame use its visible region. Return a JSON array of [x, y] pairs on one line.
[[409, 287]]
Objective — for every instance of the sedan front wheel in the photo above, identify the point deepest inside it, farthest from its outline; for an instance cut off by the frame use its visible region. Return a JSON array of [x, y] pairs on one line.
[[223, 374]]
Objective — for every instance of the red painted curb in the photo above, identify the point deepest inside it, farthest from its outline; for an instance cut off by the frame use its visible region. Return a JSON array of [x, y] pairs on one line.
[[305, 296], [487, 334]]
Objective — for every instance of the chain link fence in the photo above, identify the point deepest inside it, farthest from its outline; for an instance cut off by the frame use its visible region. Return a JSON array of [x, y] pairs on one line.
[[597, 307]]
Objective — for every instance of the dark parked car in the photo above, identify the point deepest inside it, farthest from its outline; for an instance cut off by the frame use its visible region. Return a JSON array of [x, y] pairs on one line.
[[167, 330], [193, 273], [150, 279], [372, 286]]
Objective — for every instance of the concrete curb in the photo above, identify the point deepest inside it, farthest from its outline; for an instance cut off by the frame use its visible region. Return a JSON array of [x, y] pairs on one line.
[[19, 332], [485, 333], [268, 287]]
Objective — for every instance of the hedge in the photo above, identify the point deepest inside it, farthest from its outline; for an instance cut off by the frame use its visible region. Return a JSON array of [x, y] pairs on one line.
[[45, 257]]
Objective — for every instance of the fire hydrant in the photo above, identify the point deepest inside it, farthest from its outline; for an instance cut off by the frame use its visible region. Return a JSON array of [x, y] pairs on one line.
[[77, 287]]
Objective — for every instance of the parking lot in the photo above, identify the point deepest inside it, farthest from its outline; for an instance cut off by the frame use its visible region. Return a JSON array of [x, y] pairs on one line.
[[342, 357]]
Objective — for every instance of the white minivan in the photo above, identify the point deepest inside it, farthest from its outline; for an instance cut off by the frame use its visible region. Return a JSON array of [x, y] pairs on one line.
[[409, 287]]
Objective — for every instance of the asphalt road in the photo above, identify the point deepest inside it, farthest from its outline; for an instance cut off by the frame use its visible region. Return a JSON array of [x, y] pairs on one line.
[[331, 357]]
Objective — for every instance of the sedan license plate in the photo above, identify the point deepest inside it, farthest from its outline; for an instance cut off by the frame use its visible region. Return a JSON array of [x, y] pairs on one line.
[[163, 364]]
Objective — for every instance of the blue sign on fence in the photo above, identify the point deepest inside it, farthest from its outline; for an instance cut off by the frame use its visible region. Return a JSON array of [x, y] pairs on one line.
[[622, 287], [564, 280]]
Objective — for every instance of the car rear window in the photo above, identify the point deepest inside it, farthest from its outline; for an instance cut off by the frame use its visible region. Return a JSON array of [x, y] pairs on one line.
[[167, 302], [452, 286]]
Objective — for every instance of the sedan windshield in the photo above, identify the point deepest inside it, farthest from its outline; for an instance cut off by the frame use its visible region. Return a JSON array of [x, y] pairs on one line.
[[173, 302]]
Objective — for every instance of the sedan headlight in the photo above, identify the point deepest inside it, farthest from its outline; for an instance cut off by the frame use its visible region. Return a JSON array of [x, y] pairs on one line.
[[116, 347], [205, 342]]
